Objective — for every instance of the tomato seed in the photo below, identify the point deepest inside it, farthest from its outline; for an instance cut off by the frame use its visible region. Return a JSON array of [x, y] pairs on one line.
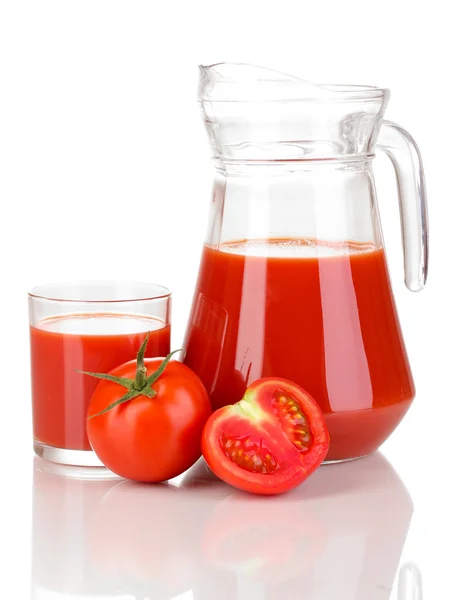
[[250, 458], [293, 421]]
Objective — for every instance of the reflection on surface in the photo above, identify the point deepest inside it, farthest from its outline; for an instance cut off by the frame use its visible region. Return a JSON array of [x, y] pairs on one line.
[[337, 537], [410, 582]]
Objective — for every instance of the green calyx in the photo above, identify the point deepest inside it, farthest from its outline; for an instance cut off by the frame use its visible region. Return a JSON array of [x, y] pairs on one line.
[[141, 385]]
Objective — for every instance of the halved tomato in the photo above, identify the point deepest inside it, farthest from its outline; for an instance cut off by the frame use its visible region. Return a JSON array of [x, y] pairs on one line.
[[270, 441]]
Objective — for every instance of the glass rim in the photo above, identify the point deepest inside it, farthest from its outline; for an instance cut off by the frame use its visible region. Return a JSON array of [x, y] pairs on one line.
[[293, 88], [43, 291]]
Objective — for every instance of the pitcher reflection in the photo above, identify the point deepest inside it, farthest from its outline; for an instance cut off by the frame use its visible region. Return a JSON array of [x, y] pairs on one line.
[[338, 536]]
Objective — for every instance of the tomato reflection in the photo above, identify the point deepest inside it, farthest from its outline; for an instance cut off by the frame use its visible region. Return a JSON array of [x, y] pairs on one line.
[[339, 535]]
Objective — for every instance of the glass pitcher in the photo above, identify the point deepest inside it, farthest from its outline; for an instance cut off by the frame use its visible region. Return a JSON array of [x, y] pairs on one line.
[[294, 281]]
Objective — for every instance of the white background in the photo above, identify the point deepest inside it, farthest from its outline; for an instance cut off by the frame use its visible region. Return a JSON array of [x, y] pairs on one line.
[[105, 173]]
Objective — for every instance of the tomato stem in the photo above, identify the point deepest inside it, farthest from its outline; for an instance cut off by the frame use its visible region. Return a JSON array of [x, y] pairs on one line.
[[140, 385], [140, 377]]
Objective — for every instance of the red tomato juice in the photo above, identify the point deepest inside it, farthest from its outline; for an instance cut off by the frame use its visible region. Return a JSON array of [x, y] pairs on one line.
[[89, 342], [322, 315]]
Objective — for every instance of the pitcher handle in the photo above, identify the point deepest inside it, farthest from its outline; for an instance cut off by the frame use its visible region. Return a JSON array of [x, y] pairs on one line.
[[400, 147]]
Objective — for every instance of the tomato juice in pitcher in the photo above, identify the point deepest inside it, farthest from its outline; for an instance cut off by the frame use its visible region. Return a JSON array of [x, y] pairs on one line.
[[293, 280]]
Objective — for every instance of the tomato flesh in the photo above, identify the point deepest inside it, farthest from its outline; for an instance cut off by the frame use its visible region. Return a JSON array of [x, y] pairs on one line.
[[270, 441]]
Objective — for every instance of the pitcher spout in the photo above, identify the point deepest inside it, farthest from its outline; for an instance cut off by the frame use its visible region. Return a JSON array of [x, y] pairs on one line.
[[255, 113]]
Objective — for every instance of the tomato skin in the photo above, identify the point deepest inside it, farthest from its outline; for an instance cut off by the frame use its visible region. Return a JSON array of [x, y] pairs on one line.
[[258, 422], [150, 439]]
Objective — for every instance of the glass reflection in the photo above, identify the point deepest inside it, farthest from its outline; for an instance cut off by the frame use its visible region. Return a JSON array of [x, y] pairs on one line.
[[339, 536]]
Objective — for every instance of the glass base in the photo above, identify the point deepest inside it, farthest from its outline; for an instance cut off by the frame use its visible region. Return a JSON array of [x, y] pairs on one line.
[[343, 460], [62, 456]]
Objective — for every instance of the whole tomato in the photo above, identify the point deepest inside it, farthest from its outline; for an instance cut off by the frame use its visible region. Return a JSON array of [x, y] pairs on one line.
[[146, 418]]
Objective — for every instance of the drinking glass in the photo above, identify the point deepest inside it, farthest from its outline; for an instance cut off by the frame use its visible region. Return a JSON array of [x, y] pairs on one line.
[[85, 326]]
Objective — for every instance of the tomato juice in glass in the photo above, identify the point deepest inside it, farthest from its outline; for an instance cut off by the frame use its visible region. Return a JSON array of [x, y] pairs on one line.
[[69, 335], [319, 314]]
